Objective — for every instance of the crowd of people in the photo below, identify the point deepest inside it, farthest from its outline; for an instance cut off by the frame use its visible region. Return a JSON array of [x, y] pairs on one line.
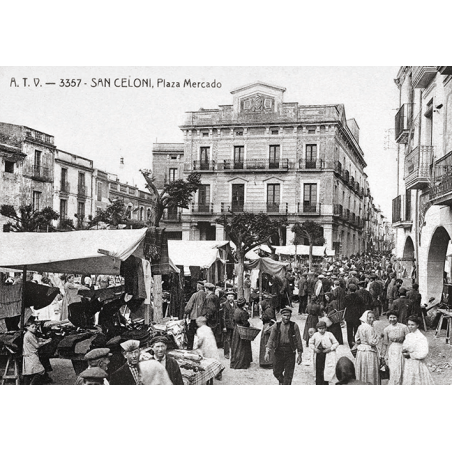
[[350, 295]]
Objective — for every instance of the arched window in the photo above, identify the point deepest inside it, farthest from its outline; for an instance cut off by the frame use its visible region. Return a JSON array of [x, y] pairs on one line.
[[141, 213]]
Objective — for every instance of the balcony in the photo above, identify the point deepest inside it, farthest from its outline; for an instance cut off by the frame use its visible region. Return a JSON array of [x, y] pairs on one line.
[[351, 182], [82, 191], [202, 209], [346, 176], [252, 207], [311, 164], [444, 70], [65, 188], [200, 166], [308, 209], [253, 165], [441, 192], [338, 168], [401, 211], [418, 163], [39, 172], [338, 210], [423, 75], [403, 122]]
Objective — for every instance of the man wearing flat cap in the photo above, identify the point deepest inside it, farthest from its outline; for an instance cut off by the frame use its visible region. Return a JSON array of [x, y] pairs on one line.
[[402, 306], [196, 307], [159, 345], [213, 311], [285, 340], [354, 310], [228, 321], [98, 357], [129, 373], [93, 376]]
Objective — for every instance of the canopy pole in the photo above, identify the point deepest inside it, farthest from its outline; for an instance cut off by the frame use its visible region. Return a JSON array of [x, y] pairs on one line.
[[260, 287], [22, 306]]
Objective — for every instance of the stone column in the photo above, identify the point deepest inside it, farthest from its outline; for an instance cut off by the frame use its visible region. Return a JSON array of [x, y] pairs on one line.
[[219, 232]]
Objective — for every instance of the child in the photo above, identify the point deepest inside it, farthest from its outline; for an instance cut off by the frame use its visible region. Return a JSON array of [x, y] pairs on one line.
[[324, 344]]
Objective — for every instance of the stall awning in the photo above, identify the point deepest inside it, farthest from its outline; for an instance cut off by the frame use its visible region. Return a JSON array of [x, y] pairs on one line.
[[96, 252], [302, 250], [269, 266], [196, 253]]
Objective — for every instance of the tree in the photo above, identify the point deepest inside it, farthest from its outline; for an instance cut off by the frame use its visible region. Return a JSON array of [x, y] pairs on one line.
[[248, 230], [28, 219], [115, 214], [310, 231], [178, 193]]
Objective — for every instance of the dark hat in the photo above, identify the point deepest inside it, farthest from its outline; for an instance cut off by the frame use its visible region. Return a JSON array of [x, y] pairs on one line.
[[97, 353], [402, 291], [352, 287], [230, 292], [209, 286], [320, 324], [201, 283], [286, 311], [156, 339], [94, 373], [241, 301]]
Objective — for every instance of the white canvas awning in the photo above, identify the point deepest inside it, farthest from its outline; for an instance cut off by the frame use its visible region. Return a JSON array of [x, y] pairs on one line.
[[302, 250], [196, 253], [96, 252]]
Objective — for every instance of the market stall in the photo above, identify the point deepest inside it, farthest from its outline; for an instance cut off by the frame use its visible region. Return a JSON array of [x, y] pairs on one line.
[[108, 252]]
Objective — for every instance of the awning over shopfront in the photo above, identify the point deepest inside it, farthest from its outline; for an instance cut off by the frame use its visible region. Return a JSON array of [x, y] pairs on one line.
[[200, 253], [302, 250], [269, 266], [95, 252]]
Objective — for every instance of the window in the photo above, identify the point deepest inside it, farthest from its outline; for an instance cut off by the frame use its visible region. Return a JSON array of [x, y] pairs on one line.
[[38, 159], [311, 130], [273, 197], [239, 154], [239, 133], [36, 200], [141, 213], [172, 174], [9, 167], [129, 212], [310, 198], [81, 211], [99, 191], [148, 214], [204, 157], [205, 134], [63, 209], [238, 197], [63, 179], [204, 198], [81, 184], [173, 157], [273, 162], [275, 132], [311, 155]]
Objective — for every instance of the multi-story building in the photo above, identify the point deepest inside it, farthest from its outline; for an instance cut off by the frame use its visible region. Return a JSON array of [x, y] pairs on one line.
[[31, 162], [101, 181], [262, 154], [422, 217], [73, 188]]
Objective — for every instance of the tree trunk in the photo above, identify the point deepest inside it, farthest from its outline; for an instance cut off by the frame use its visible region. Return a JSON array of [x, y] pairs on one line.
[[310, 256], [240, 270], [157, 292], [295, 257]]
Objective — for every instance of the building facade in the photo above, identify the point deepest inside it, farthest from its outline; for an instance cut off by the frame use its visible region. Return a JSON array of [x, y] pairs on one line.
[[422, 218], [73, 188], [28, 167], [262, 154]]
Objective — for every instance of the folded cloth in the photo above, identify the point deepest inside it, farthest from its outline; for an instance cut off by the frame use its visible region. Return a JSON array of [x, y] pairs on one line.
[[84, 346], [68, 343]]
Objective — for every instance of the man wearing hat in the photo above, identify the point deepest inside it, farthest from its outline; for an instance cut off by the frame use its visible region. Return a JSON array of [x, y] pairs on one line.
[[229, 308], [402, 306], [285, 340], [213, 311], [196, 307], [159, 345], [354, 310], [93, 376], [129, 373], [98, 357]]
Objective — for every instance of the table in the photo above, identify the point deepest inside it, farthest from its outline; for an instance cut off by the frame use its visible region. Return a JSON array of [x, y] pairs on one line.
[[445, 315], [213, 368]]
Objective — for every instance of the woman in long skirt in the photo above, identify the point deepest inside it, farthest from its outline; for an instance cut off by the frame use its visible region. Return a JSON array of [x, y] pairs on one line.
[[415, 350], [366, 339], [313, 310], [268, 320], [241, 355], [393, 336]]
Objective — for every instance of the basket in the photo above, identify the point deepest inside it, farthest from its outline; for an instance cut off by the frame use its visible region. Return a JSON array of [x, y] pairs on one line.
[[247, 333], [337, 316]]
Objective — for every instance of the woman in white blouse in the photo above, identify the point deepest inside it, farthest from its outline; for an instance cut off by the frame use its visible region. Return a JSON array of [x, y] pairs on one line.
[[415, 350], [366, 339]]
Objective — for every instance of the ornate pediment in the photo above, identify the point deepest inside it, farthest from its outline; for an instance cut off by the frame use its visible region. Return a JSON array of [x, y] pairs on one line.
[[257, 103]]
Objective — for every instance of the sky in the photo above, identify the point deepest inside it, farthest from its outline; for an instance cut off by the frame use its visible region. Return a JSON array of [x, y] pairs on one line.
[[106, 123]]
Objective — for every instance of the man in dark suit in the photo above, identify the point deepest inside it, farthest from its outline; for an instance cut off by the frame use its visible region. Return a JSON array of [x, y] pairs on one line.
[[354, 310], [159, 345], [229, 308], [129, 373]]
